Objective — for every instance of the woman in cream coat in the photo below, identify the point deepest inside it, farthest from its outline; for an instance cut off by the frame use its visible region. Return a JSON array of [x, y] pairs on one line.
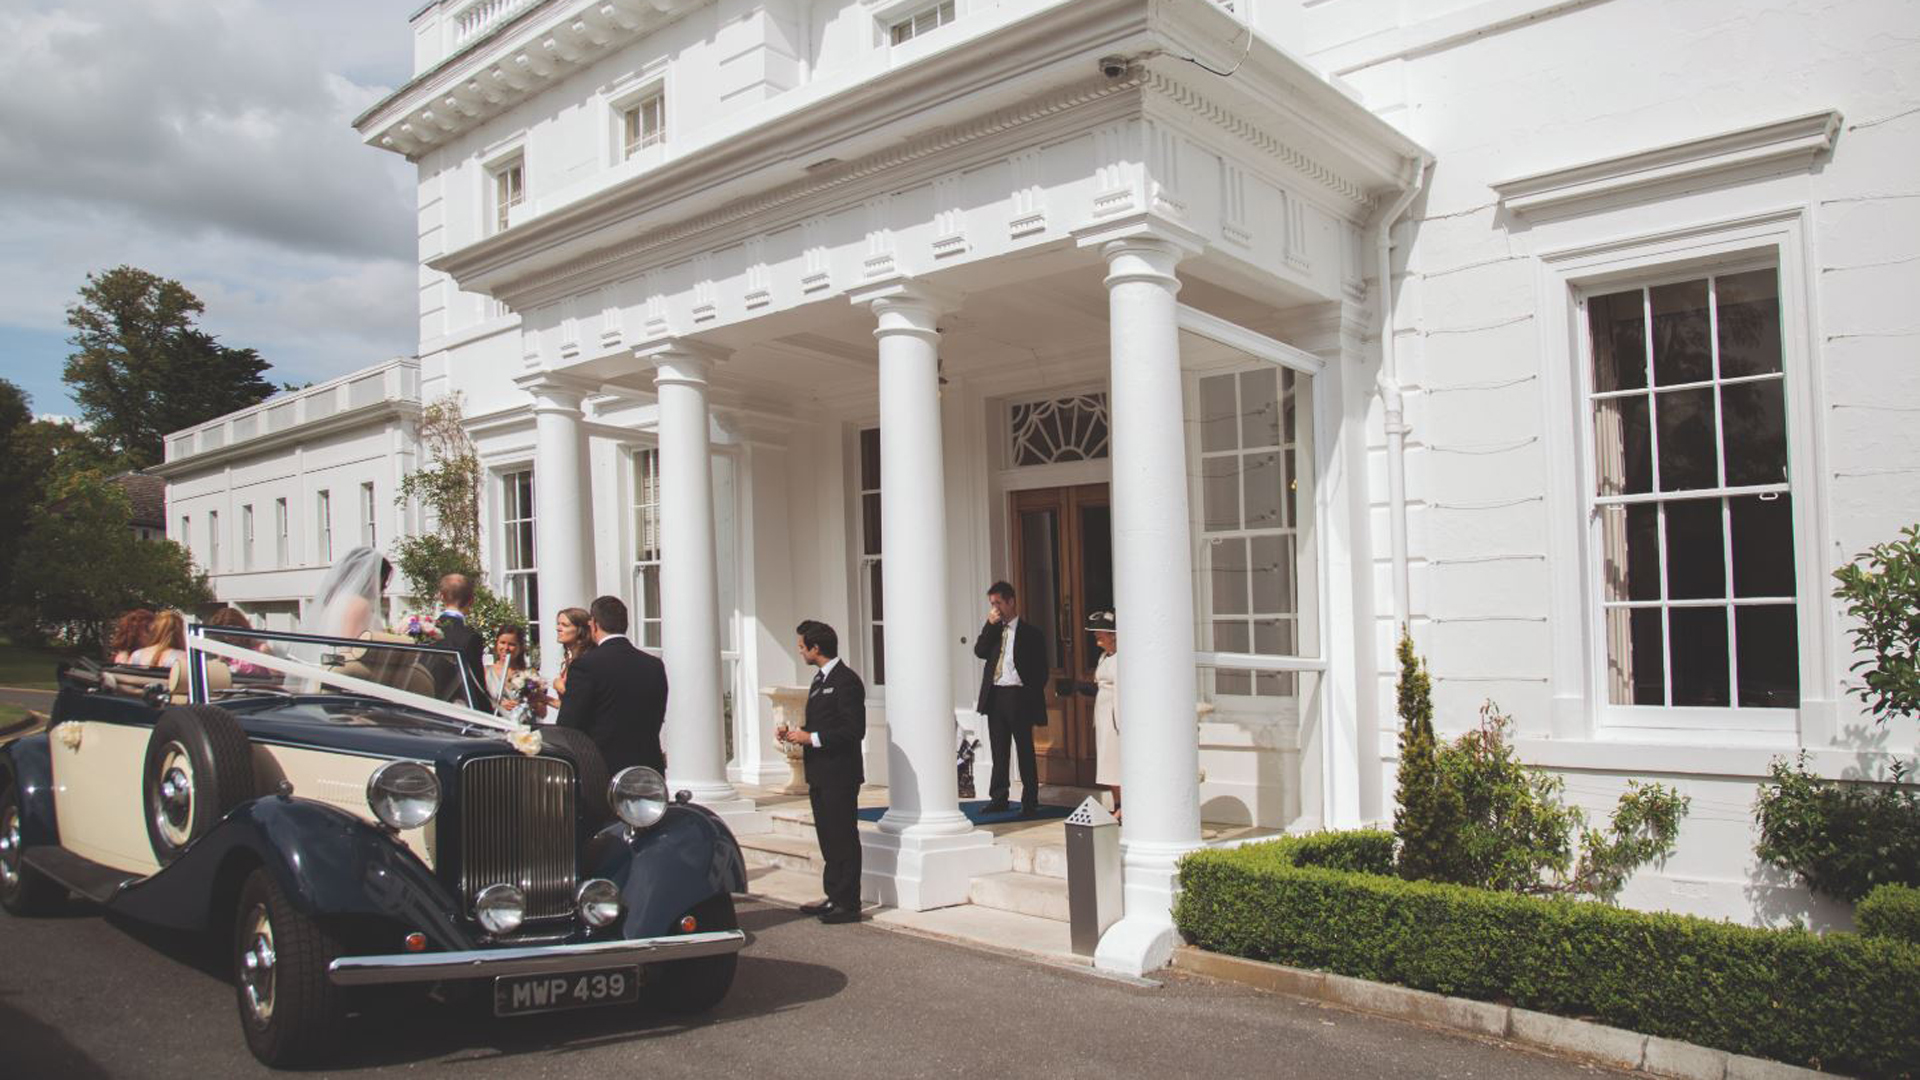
[[1106, 707]]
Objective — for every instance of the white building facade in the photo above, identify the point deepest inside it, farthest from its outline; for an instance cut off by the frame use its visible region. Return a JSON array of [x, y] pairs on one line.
[[1568, 334]]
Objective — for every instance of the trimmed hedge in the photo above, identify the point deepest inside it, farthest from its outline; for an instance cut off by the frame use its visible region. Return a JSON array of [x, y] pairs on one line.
[[1837, 1002], [1890, 911]]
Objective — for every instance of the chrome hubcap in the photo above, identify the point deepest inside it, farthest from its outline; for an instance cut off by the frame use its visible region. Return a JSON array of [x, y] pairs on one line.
[[10, 849], [173, 814], [256, 966]]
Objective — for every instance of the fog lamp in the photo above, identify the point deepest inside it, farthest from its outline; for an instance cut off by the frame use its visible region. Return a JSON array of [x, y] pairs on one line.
[[500, 908], [599, 902]]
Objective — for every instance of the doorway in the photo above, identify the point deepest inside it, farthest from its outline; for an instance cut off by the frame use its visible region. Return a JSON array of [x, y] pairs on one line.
[[1062, 546]]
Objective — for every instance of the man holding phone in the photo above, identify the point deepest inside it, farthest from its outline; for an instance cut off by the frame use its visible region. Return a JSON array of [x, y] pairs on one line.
[[1013, 695], [835, 725]]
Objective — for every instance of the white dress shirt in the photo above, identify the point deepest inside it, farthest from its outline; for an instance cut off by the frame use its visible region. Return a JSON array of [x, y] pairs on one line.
[[1008, 673], [832, 662]]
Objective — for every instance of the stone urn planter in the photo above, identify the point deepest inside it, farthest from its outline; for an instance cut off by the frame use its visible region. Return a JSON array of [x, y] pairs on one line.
[[790, 708]]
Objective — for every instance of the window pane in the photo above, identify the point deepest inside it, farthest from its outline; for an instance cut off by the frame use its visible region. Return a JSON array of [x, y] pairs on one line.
[[1230, 636], [1219, 416], [1622, 446], [1630, 542], [870, 459], [1229, 573], [1756, 432], [1260, 408], [1272, 574], [1769, 656], [1288, 397], [1273, 637], [1762, 546], [650, 592], [879, 672], [1618, 328], [1699, 656], [1220, 492], [1682, 350], [870, 523], [1636, 657], [1264, 486], [1749, 323], [1687, 443], [878, 591], [1696, 558]]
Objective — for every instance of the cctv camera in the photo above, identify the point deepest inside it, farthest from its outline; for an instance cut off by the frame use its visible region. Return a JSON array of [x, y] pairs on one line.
[[1113, 67]]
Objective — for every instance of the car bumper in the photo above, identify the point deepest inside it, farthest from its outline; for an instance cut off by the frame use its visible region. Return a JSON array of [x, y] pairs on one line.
[[534, 960]]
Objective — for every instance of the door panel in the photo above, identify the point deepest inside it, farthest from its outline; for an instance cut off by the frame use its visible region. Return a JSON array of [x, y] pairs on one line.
[[1063, 569]]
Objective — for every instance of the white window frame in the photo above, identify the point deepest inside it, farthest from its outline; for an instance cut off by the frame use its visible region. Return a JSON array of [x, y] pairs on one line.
[[323, 527], [1578, 678], [495, 218], [186, 532], [892, 20], [871, 628], [283, 534], [369, 516], [213, 541], [502, 487], [641, 459], [246, 536]]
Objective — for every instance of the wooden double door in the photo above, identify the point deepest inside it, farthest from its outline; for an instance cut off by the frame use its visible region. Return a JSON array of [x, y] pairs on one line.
[[1062, 547]]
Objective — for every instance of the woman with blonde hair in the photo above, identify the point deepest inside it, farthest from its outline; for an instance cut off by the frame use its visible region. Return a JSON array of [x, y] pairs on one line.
[[166, 641], [571, 632], [129, 635]]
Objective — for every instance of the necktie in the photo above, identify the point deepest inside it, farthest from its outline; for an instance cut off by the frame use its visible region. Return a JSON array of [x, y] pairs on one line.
[[1000, 661]]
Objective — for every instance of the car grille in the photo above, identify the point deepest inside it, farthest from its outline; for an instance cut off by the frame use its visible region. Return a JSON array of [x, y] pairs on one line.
[[516, 828]]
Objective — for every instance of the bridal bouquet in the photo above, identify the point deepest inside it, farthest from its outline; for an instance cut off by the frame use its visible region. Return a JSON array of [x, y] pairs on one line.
[[418, 627]]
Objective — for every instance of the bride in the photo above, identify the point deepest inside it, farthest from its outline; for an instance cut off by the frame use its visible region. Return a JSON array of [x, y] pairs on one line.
[[348, 603]]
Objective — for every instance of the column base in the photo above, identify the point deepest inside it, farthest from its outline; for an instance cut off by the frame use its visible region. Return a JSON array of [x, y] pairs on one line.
[[1143, 939], [1136, 945], [741, 815], [916, 872], [774, 773]]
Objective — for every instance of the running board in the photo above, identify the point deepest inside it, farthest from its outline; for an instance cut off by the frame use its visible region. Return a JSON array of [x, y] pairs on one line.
[[88, 878]]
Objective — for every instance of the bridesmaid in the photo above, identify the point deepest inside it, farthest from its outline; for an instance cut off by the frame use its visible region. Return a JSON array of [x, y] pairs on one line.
[[570, 630], [166, 641], [507, 673], [130, 634]]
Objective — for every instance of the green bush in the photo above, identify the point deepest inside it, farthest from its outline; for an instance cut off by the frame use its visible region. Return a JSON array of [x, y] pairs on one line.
[[1842, 839], [1427, 815], [1838, 1002], [1883, 597], [1890, 911]]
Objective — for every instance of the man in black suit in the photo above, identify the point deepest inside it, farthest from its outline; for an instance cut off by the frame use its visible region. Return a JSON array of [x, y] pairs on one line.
[[456, 599], [617, 694], [836, 723], [1013, 695]]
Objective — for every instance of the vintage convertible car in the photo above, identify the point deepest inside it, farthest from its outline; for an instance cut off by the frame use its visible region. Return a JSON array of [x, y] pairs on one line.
[[309, 801]]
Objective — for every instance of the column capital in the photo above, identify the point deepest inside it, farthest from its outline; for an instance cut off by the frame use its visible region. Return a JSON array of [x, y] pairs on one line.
[[556, 392], [906, 305], [1142, 231], [680, 361]]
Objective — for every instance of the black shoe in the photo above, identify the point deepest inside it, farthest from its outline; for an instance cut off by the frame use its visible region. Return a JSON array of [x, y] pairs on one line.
[[818, 907], [836, 916], [996, 806], [1028, 813]]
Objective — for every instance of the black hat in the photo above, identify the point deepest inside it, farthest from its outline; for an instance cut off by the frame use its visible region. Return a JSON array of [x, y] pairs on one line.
[[1101, 620]]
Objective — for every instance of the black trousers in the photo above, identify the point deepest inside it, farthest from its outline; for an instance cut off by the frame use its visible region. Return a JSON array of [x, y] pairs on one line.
[[836, 824], [1005, 726]]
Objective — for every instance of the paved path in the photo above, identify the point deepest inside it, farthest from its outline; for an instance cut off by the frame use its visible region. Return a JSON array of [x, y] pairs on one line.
[[27, 699], [81, 997]]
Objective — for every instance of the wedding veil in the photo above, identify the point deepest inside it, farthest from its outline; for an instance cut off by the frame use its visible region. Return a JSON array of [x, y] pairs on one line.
[[348, 603]]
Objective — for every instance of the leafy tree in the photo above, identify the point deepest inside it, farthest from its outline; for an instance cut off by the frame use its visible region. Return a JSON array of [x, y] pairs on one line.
[[80, 565], [142, 368], [1841, 839], [1427, 815], [19, 483], [449, 489], [1883, 596]]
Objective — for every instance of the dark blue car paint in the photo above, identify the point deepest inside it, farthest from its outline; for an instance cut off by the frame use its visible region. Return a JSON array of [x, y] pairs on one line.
[[331, 864]]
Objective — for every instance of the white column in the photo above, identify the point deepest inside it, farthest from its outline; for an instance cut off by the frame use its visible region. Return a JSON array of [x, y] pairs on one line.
[[695, 733], [562, 505], [1153, 597], [926, 852]]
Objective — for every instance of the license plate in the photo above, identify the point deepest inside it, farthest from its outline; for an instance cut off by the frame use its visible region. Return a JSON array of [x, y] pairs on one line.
[[517, 995]]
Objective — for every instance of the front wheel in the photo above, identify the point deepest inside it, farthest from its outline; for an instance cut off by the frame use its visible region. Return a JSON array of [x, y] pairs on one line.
[[23, 891], [694, 986], [288, 1008]]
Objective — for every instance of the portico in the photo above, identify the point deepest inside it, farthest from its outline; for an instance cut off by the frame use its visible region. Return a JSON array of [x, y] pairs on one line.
[[1125, 238]]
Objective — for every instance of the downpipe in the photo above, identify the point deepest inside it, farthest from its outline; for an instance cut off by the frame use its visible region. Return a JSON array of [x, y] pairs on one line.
[[1390, 396]]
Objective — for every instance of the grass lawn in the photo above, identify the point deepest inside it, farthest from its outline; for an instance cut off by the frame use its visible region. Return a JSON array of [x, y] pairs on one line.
[[27, 667], [11, 715]]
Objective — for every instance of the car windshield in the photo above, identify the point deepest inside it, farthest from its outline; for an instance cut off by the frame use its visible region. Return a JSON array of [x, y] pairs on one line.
[[224, 661]]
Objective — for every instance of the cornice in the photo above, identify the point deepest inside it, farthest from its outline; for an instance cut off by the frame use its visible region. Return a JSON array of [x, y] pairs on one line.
[[1792, 143], [1234, 123], [313, 429]]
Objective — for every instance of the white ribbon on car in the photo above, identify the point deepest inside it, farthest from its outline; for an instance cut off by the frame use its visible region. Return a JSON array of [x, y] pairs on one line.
[[368, 687]]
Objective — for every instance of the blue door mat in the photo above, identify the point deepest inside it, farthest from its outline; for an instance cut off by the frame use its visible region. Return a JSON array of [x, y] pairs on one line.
[[976, 812]]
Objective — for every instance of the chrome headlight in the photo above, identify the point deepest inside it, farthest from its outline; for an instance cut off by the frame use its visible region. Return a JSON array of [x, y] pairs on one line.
[[500, 908], [639, 796], [404, 794], [599, 901]]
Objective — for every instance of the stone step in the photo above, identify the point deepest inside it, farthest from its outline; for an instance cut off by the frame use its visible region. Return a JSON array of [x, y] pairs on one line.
[[1044, 860], [1023, 894], [781, 851]]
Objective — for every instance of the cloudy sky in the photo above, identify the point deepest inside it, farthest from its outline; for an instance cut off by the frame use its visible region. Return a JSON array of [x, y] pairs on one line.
[[208, 141]]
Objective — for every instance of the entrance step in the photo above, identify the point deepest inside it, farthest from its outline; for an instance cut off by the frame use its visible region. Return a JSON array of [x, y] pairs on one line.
[[1023, 894], [1043, 860], [781, 851]]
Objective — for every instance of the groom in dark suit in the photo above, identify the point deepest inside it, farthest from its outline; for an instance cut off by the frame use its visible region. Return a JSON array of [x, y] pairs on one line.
[[836, 723], [456, 599], [1013, 695], [616, 693]]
